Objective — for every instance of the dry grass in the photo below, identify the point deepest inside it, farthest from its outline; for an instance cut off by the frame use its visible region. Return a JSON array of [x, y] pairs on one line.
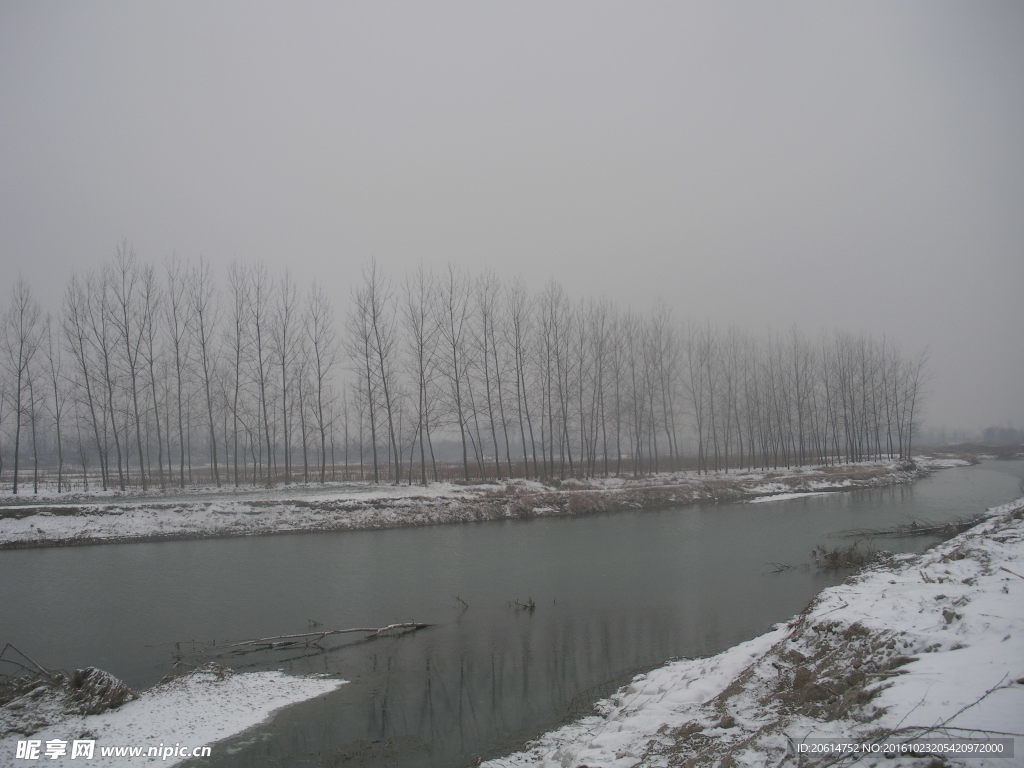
[[851, 556]]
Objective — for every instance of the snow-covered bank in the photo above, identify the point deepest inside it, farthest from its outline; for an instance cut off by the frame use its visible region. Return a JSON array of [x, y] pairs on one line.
[[196, 710], [786, 496], [918, 647], [350, 506]]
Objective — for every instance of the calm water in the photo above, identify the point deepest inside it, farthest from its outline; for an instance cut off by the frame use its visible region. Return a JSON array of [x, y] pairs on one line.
[[614, 595]]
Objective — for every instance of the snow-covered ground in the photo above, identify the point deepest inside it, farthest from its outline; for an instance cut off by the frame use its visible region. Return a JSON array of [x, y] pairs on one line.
[[26, 521], [918, 648], [253, 513], [945, 462], [196, 710], [785, 496]]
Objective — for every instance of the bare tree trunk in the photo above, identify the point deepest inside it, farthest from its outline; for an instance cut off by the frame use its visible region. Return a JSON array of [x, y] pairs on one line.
[[126, 319], [53, 359], [76, 333], [205, 316], [20, 343], [422, 333], [32, 420], [378, 302], [361, 341], [283, 329], [452, 320], [259, 287], [179, 323], [150, 309], [323, 345], [101, 340], [240, 312]]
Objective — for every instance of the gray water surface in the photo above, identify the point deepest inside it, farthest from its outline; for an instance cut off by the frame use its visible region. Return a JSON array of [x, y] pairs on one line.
[[615, 594]]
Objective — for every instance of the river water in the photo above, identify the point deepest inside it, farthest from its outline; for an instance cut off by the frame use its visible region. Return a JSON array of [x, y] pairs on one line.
[[614, 595]]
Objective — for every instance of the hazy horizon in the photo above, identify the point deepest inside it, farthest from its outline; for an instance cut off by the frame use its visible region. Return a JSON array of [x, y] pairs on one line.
[[852, 166]]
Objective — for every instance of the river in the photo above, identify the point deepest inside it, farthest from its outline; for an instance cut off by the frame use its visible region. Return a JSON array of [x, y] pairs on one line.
[[614, 595]]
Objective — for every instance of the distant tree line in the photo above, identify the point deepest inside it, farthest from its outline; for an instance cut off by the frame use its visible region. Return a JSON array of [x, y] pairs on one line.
[[158, 376], [1002, 436]]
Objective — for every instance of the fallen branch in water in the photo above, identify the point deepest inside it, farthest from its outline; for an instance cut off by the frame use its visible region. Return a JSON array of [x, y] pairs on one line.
[[313, 638], [39, 668]]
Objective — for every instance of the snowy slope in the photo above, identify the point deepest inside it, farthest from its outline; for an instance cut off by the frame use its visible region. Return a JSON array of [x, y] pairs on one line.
[[193, 711]]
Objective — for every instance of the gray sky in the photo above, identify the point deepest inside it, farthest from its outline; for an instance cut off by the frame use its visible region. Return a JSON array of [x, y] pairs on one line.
[[856, 165]]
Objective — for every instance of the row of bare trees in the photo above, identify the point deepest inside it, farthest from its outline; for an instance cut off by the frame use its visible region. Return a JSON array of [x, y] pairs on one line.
[[158, 376], [788, 399], [154, 371]]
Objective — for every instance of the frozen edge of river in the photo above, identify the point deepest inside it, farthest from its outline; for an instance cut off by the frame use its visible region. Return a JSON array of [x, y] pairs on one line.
[[913, 643], [194, 710], [367, 508]]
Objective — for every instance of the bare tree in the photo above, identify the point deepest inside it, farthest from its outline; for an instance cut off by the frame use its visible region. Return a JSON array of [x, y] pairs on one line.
[[76, 319], [378, 303], [285, 318], [422, 335], [451, 320], [129, 323], [204, 311], [34, 399], [259, 293], [150, 301], [59, 394], [486, 300], [238, 291], [361, 348], [322, 340], [179, 322], [20, 344], [98, 292], [518, 330]]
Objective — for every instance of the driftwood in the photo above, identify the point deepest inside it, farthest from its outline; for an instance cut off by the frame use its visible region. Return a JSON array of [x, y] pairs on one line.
[[314, 638], [39, 668]]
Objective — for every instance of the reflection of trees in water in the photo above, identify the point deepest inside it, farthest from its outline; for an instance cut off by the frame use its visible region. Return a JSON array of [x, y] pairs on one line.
[[446, 696], [459, 702]]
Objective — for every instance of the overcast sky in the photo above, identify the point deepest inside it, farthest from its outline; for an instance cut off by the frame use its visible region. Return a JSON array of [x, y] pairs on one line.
[[857, 165]]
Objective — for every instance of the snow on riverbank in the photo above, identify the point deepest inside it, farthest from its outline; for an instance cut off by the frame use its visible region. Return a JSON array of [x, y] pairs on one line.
[[196, 710], [941, 462], [919, 647], [786, 496], [379, 507], [354, 506]]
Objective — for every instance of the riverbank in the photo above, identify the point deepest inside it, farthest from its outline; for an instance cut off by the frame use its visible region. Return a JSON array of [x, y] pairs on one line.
[[917, 648], [189, 712], [203, 513]]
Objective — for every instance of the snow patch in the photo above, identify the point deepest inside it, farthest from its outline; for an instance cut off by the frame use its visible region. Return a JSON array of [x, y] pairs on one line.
[[196, 710], [786, 496]]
